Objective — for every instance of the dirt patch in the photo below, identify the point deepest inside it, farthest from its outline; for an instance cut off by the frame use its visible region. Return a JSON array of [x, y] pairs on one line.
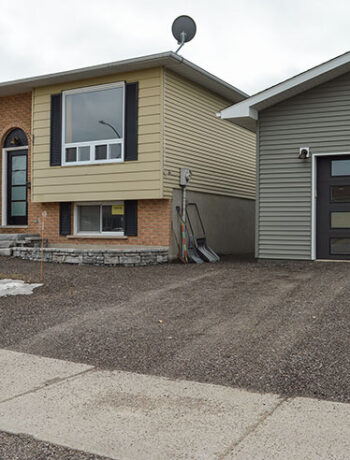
[[20, 276], [27, 448]]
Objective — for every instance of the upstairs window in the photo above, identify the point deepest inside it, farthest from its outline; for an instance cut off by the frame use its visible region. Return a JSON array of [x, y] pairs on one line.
[[93, 125]]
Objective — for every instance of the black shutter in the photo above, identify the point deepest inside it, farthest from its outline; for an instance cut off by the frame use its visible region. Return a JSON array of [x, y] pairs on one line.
[[131, 121], [130, 217], [65, 218], [56, 130]]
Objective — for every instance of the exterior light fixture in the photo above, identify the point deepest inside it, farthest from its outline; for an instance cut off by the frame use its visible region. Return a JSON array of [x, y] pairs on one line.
[[304, 153]]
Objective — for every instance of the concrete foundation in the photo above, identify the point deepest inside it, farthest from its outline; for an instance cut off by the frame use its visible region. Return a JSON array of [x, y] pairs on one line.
[[229, 222]]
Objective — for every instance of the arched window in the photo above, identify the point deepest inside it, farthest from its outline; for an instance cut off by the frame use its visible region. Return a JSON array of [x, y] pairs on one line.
[[15, 138]]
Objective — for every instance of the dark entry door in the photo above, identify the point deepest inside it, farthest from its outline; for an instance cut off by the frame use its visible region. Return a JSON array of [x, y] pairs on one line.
[[333, 207], [17, 171]]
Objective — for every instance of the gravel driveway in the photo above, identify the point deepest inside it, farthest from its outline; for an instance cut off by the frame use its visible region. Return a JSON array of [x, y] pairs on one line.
[[267, 326]]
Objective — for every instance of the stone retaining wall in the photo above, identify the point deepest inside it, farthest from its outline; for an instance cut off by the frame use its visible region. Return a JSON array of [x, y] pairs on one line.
[[127, 257]]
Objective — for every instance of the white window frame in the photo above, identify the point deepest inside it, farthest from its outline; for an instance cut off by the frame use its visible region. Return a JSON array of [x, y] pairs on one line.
[[92, 144], [95, 203]]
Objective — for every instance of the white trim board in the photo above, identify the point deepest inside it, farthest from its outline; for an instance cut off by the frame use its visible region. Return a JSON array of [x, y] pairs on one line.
[[314, 197]]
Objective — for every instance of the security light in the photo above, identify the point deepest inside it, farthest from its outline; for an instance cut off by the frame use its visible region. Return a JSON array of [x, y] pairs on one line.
[[304, 153]]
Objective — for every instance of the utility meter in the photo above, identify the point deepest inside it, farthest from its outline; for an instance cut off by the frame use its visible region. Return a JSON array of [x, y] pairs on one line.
[[185, 176]]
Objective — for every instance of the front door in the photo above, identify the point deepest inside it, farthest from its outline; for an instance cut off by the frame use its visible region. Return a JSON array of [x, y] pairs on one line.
[[17, 166], [333, 207]]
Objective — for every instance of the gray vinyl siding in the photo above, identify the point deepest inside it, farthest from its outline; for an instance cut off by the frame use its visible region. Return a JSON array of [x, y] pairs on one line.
[[318, 118]]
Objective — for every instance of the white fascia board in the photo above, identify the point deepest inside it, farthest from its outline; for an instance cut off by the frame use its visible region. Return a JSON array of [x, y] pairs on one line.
[[245, 116], [240, 110], [292, 86]]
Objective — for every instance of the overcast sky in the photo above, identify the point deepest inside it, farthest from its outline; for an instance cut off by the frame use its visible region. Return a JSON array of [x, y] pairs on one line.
[[251, 44]]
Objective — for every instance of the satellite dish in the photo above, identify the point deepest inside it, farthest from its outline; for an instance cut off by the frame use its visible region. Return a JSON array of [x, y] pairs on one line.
[[184, 29]]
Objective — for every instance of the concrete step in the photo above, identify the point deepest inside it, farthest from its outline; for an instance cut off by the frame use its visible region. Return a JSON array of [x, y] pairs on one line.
[[8, 236], [17, 236], [11, 240], [7, 243], [31, 243], [32, 238]]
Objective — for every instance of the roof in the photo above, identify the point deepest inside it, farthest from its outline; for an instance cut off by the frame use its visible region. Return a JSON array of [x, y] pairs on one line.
[[246, 113], [167, 59]]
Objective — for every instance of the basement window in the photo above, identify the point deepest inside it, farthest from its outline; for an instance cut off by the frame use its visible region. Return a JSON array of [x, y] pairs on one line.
[[100, 218], [93, 124]]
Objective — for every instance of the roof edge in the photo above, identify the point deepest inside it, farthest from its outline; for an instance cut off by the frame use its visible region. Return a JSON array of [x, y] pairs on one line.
[[167, 59], [308, 79], [79, 70]]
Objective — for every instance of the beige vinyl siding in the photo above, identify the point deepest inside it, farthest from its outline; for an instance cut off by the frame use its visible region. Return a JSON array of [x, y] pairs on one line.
[[320, 119], [129, 180], [221, 155]]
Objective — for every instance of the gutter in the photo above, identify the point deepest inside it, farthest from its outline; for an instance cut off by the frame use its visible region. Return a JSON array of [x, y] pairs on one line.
[[166, 59]]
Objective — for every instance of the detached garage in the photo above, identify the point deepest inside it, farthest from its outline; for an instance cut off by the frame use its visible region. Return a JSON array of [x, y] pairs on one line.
[[303, 163]]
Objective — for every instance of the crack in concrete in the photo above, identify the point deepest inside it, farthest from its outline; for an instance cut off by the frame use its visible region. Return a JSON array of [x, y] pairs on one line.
[[48, 383], [252, 428]]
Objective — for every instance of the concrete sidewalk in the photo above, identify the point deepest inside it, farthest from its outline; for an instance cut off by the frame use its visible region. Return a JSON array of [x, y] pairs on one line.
[[124, 415]]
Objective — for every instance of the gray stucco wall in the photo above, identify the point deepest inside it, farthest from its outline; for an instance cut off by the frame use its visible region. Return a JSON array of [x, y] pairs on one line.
[[229, 222], [318, 118]]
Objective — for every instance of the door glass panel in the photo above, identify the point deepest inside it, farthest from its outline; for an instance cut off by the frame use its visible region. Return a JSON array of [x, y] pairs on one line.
[[19, 163], [340, 167], [340, 193], [17, 188], [340, 246], [18, 193], [19, 177], [340, 219], [18, 208], [89, 218]]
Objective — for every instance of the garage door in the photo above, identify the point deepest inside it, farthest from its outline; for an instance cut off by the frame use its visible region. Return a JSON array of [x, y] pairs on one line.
[[333, 207]]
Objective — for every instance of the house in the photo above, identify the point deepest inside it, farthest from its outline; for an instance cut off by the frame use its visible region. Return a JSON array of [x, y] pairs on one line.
[[96, 152], [303, 163]]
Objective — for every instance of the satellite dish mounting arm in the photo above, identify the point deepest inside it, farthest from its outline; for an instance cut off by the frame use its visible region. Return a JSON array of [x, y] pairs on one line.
[[182, 42]]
